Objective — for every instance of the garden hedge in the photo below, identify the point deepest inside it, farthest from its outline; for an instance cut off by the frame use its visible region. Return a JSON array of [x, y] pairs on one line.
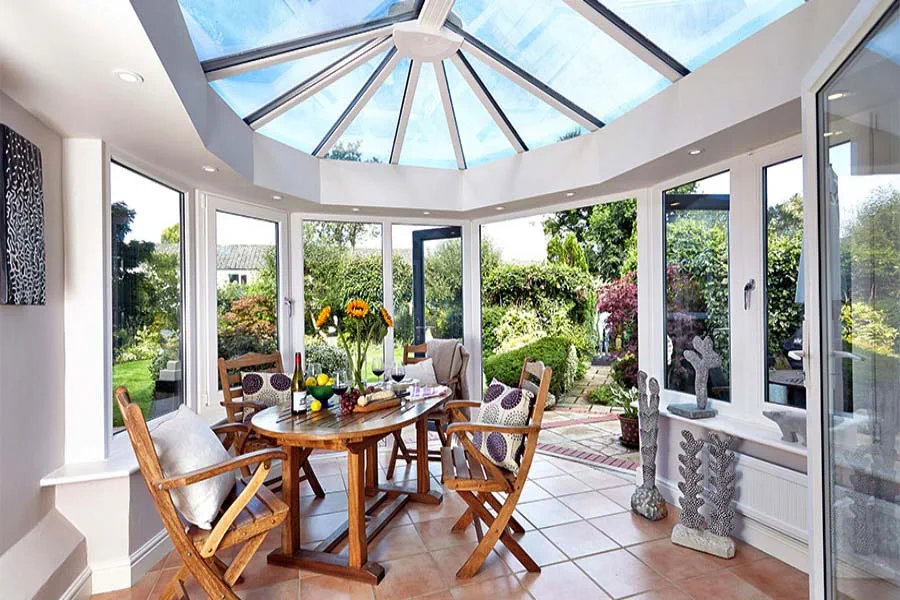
[[557, 352]]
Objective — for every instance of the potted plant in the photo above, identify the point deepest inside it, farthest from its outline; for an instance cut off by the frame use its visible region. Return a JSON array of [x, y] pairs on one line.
[[628, 418]]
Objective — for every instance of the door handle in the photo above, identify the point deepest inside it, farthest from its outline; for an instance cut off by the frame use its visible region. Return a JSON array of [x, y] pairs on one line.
[[850, 355], [748, 290], [290, 305]]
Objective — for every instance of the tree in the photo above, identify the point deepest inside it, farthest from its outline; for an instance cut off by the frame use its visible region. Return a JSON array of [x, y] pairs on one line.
[[568, 252], [131, 312], [349, 151]]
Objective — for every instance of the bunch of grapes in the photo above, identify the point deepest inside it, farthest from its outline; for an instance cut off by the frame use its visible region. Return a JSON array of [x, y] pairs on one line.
[[348, 401]]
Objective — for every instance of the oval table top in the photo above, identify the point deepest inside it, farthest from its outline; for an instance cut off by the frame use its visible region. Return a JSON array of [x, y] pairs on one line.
[[329, 425]]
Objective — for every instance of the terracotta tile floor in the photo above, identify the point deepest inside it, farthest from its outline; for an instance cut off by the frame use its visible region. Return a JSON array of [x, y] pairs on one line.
[[578, 529]]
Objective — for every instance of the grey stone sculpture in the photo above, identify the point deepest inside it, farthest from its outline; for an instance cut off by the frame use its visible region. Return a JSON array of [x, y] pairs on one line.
[[694, 531], [703, 358], [792, 425], [646, 500]]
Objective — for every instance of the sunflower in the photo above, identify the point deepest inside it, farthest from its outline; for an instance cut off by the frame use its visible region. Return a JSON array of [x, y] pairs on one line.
[[357, 308], [323, 317], [386, 317]]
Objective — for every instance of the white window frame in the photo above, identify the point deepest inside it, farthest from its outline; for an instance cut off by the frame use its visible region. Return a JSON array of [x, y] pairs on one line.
[[188, 274], [208, 205], [387, 255]]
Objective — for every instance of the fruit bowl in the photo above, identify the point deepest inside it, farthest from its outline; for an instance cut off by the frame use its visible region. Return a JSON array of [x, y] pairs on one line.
[[322, 393]]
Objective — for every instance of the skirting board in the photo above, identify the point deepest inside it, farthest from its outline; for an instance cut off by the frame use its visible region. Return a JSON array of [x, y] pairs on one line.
[[785, 548], [80, 588], [121, 575]]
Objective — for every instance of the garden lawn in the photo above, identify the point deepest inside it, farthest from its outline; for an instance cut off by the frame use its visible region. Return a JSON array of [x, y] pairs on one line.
[[134, 375]]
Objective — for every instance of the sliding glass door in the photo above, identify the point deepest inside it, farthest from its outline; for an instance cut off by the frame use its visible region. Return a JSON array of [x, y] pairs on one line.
[[859, 212]]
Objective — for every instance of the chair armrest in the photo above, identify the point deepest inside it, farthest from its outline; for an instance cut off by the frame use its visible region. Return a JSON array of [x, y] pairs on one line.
[[236, 434], [458, 428], [243, 405], [231, 428], [233, 464], [461, 404]]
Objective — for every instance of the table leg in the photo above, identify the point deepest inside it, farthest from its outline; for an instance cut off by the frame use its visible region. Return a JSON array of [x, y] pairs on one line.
[[290, 493], [356, 510], [423, 475], [371, 469]]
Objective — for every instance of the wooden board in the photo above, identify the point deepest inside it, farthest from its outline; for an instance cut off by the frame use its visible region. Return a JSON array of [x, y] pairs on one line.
[[377, 405]]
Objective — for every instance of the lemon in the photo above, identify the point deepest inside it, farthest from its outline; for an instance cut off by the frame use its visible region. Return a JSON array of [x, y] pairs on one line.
[[331, 381], [322, 379], [310, 381], [315, 406]]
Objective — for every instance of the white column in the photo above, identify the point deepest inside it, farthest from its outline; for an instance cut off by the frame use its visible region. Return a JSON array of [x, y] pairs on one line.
[[471, 259], [88, 300]]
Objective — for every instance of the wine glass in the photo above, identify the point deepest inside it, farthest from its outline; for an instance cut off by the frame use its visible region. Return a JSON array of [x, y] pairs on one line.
[[398, 373], [341, 382], [378, 367]]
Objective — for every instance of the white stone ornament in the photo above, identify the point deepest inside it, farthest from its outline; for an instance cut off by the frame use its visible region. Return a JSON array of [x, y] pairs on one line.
[[646, 500], [703, 358]]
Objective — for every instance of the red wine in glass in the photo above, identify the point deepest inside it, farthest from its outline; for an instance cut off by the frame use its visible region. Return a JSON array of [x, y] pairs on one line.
[[341, 389], [398, 374]]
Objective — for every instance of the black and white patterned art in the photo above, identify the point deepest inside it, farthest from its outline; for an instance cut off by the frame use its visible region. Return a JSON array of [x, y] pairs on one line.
[[22, 254]]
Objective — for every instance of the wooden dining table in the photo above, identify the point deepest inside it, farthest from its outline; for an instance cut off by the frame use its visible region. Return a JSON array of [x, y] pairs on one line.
[[358, 434]]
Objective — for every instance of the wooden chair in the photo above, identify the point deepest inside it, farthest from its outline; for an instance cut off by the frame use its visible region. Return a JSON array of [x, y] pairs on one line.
[[476, 479], [437, 421], [247, 517], [238, 410]]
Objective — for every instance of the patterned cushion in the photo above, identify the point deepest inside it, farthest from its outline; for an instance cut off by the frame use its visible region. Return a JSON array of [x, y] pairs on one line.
[[503, 405], [266, 388]]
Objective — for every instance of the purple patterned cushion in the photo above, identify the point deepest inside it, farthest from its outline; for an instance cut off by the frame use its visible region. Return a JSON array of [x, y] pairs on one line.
[[266, 388], [503, 405]]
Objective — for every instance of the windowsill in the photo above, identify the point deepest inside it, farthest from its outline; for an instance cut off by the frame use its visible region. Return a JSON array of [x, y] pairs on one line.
[[745, 430]]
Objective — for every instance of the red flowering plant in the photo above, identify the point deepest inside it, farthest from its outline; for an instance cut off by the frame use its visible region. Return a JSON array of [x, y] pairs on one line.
[[619, 300]]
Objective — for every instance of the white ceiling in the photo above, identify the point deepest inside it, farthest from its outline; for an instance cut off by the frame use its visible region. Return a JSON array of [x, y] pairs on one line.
[[57, 59]]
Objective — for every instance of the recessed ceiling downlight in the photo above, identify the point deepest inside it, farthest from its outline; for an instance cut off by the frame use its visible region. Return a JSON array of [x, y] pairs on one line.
[[499, 208], [210, 168], [276, 197], [696, 152], [131, 77], [569, 194]]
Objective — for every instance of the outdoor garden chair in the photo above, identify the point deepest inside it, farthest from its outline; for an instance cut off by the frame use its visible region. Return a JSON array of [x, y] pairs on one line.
[[476, 479], [240, 411], [247, 516], [450, 362]]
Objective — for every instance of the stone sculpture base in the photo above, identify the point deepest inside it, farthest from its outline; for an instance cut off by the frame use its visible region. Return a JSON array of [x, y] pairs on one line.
[[690, 411], [649, 503], [704, 541]]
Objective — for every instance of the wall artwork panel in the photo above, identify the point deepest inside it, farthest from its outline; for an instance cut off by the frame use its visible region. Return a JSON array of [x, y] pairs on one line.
[[22, 253]]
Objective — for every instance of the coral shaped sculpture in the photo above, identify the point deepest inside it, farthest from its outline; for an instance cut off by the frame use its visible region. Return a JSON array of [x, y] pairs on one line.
[[703, 358], [646, 500], [691, 500], [721, 478]]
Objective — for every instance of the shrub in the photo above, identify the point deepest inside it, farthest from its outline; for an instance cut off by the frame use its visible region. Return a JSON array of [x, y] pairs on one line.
[[144, 346], [330, 357], [541, 286], [490, 319], [602, 395], [517, 328], [250, 326], [557, 352], [169, 348], [625, 370]]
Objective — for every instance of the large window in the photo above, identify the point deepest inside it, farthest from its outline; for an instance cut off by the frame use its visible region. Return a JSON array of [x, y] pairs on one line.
[[696, 278], [341, 260], [783, 189], [146, 224], [246, 285]]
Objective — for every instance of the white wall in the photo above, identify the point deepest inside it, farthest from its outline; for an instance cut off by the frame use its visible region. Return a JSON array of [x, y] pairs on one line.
[[32, 386]]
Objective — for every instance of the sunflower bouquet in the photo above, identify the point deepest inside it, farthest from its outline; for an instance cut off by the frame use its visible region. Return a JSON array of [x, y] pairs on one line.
[[359, 325]]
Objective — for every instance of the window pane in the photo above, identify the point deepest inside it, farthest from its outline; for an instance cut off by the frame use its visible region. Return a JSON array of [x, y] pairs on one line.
[[564, 50], [246, 285], [481, 139], [341, 261], [442, 304], [146, 221], [859, 202], [370, 136], [427, 142], [222, 27], [783, 287], [249, 91], [536, 121], [304, 126], [696, 31], [696, 232]]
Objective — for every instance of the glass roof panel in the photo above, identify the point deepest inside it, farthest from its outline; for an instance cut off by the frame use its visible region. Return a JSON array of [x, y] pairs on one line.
[[482, 140], [304, 126], [427, 142], [696, 31], [537, 122], [564, 50], [249, 91], [370, 136], [222, 27]]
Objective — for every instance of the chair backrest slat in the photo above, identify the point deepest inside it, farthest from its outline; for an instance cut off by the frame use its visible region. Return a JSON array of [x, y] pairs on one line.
[[414, 353], [230, 375], [535, 375]]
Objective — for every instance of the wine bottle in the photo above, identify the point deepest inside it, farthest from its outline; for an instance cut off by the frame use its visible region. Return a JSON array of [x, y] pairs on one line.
[[298, 386]]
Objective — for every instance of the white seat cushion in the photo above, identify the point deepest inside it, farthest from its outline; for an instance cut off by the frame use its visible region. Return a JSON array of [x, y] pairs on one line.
[[423, 371], [185, 443]]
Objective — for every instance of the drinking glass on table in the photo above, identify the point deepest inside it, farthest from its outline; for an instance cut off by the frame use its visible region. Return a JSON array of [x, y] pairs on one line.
[[378, 368], [341, 382]]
